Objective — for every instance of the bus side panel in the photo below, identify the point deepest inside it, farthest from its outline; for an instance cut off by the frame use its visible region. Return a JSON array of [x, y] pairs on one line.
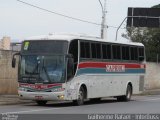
[[103, 80], [103, 85], [100, 85]]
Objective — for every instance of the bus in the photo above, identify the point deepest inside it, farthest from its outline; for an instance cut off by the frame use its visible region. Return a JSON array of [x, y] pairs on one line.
[[77, 68]]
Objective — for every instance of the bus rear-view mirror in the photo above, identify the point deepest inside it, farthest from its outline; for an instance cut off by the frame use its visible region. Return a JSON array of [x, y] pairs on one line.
[[14, 60]]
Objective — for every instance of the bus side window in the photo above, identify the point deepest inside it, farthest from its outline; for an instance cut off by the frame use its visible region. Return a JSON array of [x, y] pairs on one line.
[[106, 48], [96, 50], [125, 53], [85, 49], [134, 53], [141, 54], [99, 52], [116, 51]]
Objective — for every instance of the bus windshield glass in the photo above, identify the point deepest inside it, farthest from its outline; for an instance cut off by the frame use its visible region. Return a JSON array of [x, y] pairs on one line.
[[42, 69]]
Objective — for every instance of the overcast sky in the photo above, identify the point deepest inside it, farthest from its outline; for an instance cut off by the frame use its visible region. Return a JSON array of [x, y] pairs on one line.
[[20, 21]]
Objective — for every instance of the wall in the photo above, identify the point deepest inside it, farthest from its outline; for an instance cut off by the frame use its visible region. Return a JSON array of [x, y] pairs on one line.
[[8, 75], [152, 80]]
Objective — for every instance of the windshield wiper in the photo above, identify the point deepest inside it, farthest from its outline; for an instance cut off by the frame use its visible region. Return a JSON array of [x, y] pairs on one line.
[[43, 67], [33, 72]]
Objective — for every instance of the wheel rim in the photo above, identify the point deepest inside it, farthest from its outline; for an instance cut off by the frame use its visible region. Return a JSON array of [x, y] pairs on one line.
[[129, 93], [80, 97]]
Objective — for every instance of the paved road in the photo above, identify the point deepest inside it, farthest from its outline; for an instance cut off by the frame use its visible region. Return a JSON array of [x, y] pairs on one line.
[[138, 105]]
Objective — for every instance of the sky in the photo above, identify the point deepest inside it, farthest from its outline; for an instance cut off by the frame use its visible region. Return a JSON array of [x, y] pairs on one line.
[[20, 21]]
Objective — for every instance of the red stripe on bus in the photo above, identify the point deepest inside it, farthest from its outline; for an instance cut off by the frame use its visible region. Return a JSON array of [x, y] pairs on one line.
[[103, 65], [39, 85]]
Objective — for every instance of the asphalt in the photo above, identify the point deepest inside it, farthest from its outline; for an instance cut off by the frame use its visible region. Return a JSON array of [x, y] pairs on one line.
[[14, 99]]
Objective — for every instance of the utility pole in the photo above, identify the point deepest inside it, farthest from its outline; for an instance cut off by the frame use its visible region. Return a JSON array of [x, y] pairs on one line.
[[103, 24]]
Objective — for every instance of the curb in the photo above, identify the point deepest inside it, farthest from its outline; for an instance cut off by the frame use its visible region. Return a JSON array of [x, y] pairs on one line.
[[14, 103], [151, 92], [12, 100]]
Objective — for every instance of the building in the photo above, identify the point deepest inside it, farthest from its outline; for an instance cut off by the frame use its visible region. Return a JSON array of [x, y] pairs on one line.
[[15, 46], [5, 43]]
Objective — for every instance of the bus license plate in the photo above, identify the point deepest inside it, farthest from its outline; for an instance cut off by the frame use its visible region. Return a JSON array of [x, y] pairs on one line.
[[39, 97]]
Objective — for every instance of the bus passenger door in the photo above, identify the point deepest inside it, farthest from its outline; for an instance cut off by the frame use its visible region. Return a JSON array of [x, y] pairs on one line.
[[70, 67]]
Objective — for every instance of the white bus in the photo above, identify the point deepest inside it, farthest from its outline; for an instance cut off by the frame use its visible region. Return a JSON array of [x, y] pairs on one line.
[[76, 68]]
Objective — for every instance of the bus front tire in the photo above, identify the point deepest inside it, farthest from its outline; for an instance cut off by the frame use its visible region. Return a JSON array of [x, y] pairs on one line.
[[128, 95], [81, 97], [41, 103]]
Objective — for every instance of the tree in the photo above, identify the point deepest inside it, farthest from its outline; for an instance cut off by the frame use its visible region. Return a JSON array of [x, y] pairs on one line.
[[156, 6], [150, 37]]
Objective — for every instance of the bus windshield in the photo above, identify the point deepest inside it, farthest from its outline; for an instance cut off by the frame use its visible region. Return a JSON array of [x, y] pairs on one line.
[[42, 69]]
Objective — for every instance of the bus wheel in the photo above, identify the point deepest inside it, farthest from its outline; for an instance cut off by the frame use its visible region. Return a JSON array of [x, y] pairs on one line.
[[41, 103], [128, 95], [81, 96]]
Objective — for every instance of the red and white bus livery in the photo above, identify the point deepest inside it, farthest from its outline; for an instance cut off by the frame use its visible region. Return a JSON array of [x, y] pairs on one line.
[[77, 67]]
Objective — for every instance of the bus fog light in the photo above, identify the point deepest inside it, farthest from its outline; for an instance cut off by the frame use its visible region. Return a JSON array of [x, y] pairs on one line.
[[61, 97], [20, 95]]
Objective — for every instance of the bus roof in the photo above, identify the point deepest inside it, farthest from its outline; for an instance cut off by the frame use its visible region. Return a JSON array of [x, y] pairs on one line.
[[70, 37]]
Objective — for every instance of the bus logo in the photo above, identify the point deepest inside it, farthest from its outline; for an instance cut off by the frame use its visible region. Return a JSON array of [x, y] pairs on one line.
[[26, 45], [115, 68]]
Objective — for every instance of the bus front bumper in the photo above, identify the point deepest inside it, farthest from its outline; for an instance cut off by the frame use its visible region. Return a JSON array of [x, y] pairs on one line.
[[41, 95]]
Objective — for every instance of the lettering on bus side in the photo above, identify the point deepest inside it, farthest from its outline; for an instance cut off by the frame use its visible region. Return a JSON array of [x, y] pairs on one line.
[[115, 68]]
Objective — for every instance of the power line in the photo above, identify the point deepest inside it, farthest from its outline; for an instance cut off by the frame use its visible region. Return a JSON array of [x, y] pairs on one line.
[[69, 17], [101, 5], [73, 18]]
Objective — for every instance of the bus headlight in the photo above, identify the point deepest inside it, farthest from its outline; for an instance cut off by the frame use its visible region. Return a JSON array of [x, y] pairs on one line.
[[58, 89], [22, 89]]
